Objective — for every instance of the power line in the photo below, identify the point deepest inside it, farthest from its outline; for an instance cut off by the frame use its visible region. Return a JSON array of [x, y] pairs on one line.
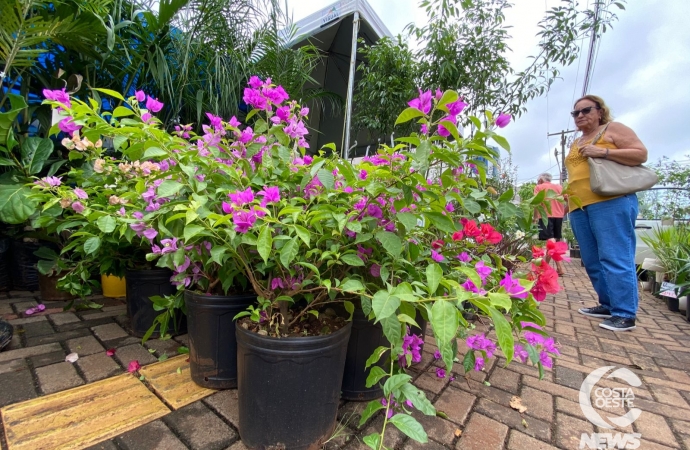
[[592, 42]]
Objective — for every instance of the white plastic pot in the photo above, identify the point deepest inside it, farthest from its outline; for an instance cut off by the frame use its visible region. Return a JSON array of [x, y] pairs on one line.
[[652, 264], [683, 303]]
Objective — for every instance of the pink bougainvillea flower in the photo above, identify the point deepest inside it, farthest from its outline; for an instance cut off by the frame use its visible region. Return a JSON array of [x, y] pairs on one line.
[[40, 307], [424, 129], [72, 358], [133, 366], [243, 220], [437, 244], [58, 95], [150, 233], [422, 103], [409, 403], [483, 270], [450, 207], [48, 182], [68, 126], [363, 174], [216, 122], [441, 373], [255, 82], [437, 256], [375, 270], [241, 198], [503, 120], [437, 354], [153, 104], [304, 111], [537, 252], [146, 117], [110, 352], [140, 96], [277, 283], [80, 193], [77, 207], [227, 208], [270, 194], [464, 257], [456, 107], [478, 363], [520, 353], [458, 236], [556, 250], [513, 287]]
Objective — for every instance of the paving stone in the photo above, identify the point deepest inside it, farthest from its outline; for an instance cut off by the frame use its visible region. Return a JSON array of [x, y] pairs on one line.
[[437, 428], [237, 446], [12, 366], [677, 375], [456, 404], [57, 337], [505, 379], [64, 318], [539, 404], [508, 416], [481, 390], [8, 355], [29, 319], [58, 377], [98, 366], [47, 359], [102, 315], [168, 346], [105, 445], [199, 428], [430, 382], [183, 339], [109, 332], [17, 384], [568, 377], [569, 431], [551, 388], [520, 441], [152, 436], [669, 397], [83, 324], [349, 413], [133, 352], [392, 438], [482, 433], [87, 345], [225, 403], [654, 427]]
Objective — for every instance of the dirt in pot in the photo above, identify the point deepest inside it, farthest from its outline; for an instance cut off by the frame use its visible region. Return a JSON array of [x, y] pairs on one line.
[[327, 322]]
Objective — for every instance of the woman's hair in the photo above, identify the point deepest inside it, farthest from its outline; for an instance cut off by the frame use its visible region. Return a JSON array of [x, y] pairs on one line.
[[605, 110], [545, 177]]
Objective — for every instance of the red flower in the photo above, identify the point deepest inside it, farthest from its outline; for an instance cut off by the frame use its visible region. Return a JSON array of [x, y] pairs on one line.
[[537, 252], [546, 281], [471, 230], [458, 235], [110, 352], [489, 234], [556, 250], [438, 244], [133, 366]]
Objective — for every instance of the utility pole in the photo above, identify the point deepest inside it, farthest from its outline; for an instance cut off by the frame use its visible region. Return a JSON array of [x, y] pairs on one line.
[[564, 173]]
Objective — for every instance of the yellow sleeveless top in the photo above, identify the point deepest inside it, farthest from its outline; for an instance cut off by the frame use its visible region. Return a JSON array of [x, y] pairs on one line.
[[578, 174]]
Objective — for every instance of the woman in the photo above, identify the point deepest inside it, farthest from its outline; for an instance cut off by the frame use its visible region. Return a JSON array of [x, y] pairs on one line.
[[605, 226], [551, 228]]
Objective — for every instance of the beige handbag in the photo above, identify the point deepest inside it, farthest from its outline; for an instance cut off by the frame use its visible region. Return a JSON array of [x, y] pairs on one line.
[[609, 178]]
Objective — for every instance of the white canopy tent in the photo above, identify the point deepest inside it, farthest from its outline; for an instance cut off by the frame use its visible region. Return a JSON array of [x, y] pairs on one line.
[[335, 30]]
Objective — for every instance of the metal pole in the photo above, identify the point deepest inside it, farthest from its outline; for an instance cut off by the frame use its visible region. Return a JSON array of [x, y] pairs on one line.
[[564, 173], [351, 83]]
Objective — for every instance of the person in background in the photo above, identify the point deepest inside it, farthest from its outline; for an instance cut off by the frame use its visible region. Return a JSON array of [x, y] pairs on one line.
[[605, 226], [551, 228]]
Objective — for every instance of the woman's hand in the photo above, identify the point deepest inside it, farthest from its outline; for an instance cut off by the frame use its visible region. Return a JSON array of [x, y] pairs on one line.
[[592, 151]]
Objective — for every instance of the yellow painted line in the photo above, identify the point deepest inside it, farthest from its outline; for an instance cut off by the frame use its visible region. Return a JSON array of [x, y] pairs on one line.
[[81, 417], [177, 389]]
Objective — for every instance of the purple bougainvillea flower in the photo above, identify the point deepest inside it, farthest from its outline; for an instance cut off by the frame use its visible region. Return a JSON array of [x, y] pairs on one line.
[[169, 245], [436, 256], [68, 126], [520, 353], [441, 373], [80, 193], [464, 257], [78, 207], [49, 182], [502, 120], [549, 345], [375, 270], [227, 208], [255, 82], [140, 96], [374, 211], [513, 287], [545, 359], [40, 307], [243, 220], [146, 117], [153, 104], [234, 122], [437, 354], [422, 103], [138, 215], [241, 198], [304, 111], [362, 174], [270, 194], [277, 283], [216, 122], [534, 339], [409, 404], [133, 366], [150, 234], [483, 270], [424, 129], [478, 363], [58, 95]]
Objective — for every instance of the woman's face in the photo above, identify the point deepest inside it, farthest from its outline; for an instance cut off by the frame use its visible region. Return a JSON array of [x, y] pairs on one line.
[[588, 121]]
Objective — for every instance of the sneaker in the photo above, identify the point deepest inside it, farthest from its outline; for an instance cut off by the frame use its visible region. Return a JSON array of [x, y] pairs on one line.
[[616, 323], [5, 334], [598, 311]]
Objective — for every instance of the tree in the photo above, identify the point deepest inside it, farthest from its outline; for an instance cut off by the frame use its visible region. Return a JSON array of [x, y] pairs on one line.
[[673, 202]]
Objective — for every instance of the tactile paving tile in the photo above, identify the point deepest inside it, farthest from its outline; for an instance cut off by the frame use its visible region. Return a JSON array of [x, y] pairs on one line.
[[81, 417], [176, 388]]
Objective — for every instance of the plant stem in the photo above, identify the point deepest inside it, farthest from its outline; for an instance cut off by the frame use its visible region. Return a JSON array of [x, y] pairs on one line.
[[388, 402]]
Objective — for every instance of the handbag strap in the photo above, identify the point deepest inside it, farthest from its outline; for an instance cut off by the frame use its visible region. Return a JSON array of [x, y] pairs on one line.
[[600, 134]]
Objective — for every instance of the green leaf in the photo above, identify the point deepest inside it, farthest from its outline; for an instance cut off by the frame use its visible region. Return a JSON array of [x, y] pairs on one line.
[[434, 275], [500, 140], [110, 92], [92, 244], [349, 306], [395, 382], [391, 329], [442, 222], [352, 260], [410, 426], [106, 224], [375, 375], [468, 361], [217, 253], [409, 220], [418, 399], [407, 115], [289, 252], [373, 440], [264, 243], [326, 178], [17, 104], [384, 304], [376, 356], [448, 97], [15, 204], [504, 333], [122, 111], [404, 292], [472, 206], [391, 242], [169, 188], [192, 230], [500, 300], [444, 320], [35, 152], [153, 152], [303, 234], [352, 286]]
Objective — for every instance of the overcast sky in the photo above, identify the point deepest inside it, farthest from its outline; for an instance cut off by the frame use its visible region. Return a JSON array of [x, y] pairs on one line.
[[641, 71]]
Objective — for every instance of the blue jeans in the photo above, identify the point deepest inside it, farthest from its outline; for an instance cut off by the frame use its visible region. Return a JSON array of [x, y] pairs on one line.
[[606, 234]]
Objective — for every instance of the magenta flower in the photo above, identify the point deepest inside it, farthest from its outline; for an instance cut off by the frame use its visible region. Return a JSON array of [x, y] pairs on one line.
[[270, 195], [530, 324], [140, 96], [375, 270], [227, 208], [254, 98], [49, 182], [502, 120], [436, 256], [550, 346], [169, 245], [110, 352], [243, 220], [80, 193], [513, 287], [545, 359], [241, 198], [246, 135], [422, 103], [255, 82], [234, 122], [68, 126], [216, 122], [133, 366], [481, 342], [520, 353], [534, 339], [441, 373], [146, 117], [277, 283], [304, 111], [362, 174], [483, 270], [424, 129], [153, 104], [58, 95], [138, 215], [150, 233], [478, 363], [456, 107], [463, 257], [78, 207], [374, 211], [276, 95], [437, 354], [412, 345]]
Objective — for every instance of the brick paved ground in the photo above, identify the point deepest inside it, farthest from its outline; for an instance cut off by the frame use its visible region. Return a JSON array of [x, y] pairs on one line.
[[479, 416]]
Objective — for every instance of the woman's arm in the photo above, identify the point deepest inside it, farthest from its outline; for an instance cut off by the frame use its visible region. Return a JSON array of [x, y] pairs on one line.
[[630, 150]]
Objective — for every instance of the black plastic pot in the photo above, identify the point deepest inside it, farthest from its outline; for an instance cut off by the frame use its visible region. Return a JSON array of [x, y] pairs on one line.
[[212, 341], [575, 253], [5, 264], [672, 303], [289, 388], [24, 271], [49, 291], [141, 285]]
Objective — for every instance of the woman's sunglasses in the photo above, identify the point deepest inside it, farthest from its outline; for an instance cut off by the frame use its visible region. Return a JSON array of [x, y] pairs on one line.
[[584, 111]]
